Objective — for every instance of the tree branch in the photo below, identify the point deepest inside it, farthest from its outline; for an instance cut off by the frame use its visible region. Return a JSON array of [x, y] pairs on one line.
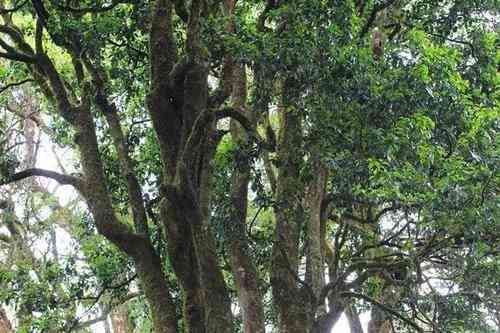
[[235, 114], [373, 15], [14, 84], [104, 313], [35, 172], [16, 56]]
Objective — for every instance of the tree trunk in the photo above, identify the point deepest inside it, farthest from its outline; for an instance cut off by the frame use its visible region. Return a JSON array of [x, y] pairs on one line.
[[353, 318], [119, 319], [243, 269], [380, 321], [315, 269], [5, 326], [137, 246], [290, 299]]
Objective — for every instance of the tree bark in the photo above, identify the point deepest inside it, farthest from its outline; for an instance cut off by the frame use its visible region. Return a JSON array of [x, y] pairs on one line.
[[119, 319], [147, 263], [381, 321], [5, 325], [353, 318], [243, 269], [178, 98], [315, 268], [288, 296]]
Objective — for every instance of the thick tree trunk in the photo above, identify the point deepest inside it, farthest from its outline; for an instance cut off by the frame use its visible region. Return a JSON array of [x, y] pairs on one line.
[[137, 246], [178, 96]]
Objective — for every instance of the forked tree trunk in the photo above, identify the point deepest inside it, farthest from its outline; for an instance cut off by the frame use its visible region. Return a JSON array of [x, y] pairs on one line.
[[178, 106]]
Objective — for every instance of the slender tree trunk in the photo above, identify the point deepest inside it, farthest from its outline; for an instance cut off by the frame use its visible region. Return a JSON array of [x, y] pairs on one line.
[[119, 319], [5, 326], [380, 321], [243, 268], [353, 318], [290, 299], [138, 246], [315, 269]]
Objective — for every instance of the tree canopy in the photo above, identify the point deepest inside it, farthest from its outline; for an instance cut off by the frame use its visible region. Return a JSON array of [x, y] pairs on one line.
[[249, 166]]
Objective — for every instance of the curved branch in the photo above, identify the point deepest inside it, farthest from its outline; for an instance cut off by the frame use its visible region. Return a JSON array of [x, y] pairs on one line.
[[236, 115], [246, 124], [36, 172]]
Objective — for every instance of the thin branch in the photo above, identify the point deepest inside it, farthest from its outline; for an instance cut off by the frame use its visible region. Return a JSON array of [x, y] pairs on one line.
[[250, 225], [373, 15], [14, 84], [104, 313], [136, 50], [96, 299]]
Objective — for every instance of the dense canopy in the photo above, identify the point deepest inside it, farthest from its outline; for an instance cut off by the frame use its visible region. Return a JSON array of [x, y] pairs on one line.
[[249, 166]]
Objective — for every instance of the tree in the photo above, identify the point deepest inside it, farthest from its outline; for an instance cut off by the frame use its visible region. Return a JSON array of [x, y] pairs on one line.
[[348, 176]]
